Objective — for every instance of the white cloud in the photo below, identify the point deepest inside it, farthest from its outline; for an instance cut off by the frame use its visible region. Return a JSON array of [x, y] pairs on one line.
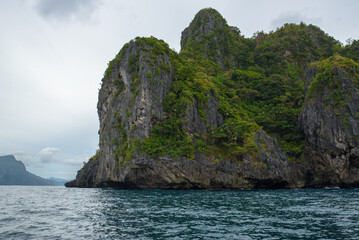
[[49, 151], [40, 159], [47, 155]]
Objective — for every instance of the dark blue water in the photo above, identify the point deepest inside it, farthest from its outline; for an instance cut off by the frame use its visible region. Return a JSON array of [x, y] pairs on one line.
[[61, 213]]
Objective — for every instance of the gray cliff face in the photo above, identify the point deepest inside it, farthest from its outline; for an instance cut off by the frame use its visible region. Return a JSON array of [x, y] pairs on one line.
[[87, 176], [196, 124], [331, 129], [132, 111], [269, 170]]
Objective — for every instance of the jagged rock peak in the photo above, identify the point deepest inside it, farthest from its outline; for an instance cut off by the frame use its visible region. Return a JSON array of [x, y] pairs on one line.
[[135, 46], [203, 23], [209, 39]]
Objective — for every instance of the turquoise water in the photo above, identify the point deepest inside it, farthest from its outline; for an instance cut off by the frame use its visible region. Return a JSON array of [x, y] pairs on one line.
[[62, 213]]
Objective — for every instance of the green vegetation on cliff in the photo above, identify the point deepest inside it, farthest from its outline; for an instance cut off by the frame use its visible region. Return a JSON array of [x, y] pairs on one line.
[[351, 50], [328, 84], [257, 83]]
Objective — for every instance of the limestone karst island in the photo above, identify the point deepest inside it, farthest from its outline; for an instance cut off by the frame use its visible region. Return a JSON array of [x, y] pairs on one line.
[[278, 110]]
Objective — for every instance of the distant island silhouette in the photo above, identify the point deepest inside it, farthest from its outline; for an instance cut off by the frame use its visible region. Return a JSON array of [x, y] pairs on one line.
[[13, 172]]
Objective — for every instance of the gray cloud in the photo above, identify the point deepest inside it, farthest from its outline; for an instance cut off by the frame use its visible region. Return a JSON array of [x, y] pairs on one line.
[[65, 9], [293, 17]]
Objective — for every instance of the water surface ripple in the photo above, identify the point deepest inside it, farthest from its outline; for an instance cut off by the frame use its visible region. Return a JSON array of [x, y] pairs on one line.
[[70, 213]]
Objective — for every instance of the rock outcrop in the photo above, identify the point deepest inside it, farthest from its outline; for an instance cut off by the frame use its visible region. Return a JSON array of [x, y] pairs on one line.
[[330, 123], [130, 104], [167, 122], [209, 37]]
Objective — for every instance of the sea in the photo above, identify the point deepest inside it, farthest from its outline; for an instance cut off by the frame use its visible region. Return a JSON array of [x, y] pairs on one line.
[[34, 212]]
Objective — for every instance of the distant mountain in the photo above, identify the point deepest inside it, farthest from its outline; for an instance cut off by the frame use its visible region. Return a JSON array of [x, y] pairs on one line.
[[13, 172], [58, 181]]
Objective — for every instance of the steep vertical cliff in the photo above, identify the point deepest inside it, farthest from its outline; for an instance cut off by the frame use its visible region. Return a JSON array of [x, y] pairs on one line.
[[330, 123]]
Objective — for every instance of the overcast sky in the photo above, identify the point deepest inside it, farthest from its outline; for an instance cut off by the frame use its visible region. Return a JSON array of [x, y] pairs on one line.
[[53, 55]]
